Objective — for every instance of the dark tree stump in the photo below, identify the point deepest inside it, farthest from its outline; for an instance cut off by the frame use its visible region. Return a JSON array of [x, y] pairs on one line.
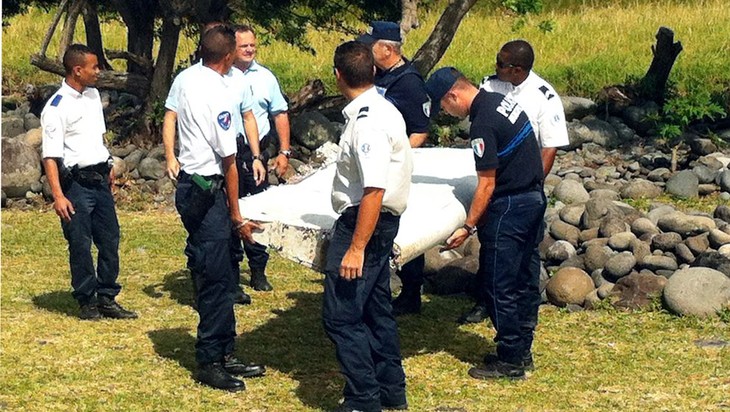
[[654, 83]]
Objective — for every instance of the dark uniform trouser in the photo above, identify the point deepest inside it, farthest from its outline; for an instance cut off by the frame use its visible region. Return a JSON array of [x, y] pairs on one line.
[[357, 317], [256, 252], [510, 272], [206, 218], [411, 274], [95, 219]]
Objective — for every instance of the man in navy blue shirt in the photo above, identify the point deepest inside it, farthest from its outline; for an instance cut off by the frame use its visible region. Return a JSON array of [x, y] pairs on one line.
[[402, 85], [506, 213]]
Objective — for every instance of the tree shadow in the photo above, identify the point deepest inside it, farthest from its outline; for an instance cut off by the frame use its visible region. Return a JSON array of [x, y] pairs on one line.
[[59, 301], [177, 284]]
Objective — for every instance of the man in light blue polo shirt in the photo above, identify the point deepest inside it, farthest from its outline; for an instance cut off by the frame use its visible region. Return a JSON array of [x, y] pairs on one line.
[[268, 101]]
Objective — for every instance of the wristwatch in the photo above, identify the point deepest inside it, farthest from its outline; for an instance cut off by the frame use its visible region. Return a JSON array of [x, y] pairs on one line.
[[286, 153], [258, 157], [469, 229]]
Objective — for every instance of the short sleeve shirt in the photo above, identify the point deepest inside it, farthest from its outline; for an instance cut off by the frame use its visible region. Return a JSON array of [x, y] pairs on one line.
[[542, 105], [267, 96], [73, 127], [205, 122], [502, 139], [407, 92], [239, 89], [173, 96], [375, 153]]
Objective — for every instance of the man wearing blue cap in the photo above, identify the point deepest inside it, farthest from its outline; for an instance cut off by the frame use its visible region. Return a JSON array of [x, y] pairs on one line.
[[402, 85], [506, 213]]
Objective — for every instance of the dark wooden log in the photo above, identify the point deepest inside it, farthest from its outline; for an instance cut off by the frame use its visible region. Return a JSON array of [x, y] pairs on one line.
[[144, 63], [52, 27], [93, 34], [310, 94], [135, 84], [654, 84]]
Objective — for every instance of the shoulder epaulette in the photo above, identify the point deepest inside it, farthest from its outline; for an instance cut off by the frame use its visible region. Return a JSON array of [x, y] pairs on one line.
[[56, 100], [363, 112]]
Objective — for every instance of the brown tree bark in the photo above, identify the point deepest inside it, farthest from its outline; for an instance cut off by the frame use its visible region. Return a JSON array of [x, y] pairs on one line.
[[69, 25], [409, 15], [654, 83], [52, 27], [139, 17], [93, 34], [435, 46]]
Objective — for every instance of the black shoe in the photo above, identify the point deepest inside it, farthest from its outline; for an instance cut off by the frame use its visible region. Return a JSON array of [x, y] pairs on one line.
[[236, 367], [408, 302], [259, 281], [213, 375], [109, 308], [527, 363], [476, 315], [89, 312], [399, 407], [345, 408], [241, 298], [497, 370]]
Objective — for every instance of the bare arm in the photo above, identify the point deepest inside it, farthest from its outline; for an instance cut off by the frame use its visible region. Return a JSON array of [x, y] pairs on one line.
[[486, 181], [169, 123], [417, 139], [548, 158], [244, 226], [367, 218], [63, 207], [252, 135], [281, 123]]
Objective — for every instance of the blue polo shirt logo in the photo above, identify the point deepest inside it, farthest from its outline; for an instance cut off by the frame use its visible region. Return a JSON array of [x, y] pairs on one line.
[[224, 120]]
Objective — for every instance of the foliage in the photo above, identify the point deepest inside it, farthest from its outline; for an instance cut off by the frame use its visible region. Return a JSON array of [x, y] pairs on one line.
[[684, 109]]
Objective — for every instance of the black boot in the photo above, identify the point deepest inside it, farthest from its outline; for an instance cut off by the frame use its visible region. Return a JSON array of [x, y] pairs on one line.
[[237, 367], [408, 302], [497, 370], [477, 314], [240, 297], [527, 361], [259, 281], [109, 308], [89, 311], [215, 376]]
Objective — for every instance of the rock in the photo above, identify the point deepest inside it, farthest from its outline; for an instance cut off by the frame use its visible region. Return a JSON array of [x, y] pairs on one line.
[[642, 226], [457, 276], [151, 168], [31, 121], [570, 192], [637, 291], [132, 160], [157, 153], [657, 211], [608, 194], [611, 225], [639, 189], [723, 180], [621, 241], [685, 225], [596, 211], [119, 168], [655, 262], [707, 189], [21, 167], [702, 147], [619, 265], [124, 151], [592, 300], [571, 214], [597, 278], [596, 256], [563, 231], [636, 117], [600, 132], [12, 126], [4, 199], [722, 212], [660, 174], [436, 260], [569, 286], [666, 241], [165, 186], [718, 238], [683, 184], [698, 244], [577, 107], [605, 289], [724, 250], [713, 260], [588, 234], [312, 129], [697, 291], [683, 253], [560, 251], [704, 174]]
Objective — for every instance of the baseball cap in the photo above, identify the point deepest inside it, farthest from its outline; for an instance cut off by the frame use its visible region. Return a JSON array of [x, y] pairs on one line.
[[381, 30], [439, 84]]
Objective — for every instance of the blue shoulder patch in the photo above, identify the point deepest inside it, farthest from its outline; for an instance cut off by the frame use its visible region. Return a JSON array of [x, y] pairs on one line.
[[56, 100], [224, 120]]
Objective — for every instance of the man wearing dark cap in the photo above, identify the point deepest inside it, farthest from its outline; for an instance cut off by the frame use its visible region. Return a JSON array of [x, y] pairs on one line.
[[506, 212], [402, 85]]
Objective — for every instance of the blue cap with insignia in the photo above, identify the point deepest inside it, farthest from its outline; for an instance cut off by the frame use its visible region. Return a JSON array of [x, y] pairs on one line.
[[439, 84], [381, 30]]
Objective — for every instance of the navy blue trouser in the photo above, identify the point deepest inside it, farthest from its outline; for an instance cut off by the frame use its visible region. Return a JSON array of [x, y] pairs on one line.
[[95, 220], [411, 274], [206, 218], [358, 317], [509, 271]]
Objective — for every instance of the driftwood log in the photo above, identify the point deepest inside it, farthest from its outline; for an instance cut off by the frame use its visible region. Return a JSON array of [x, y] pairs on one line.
[[665, 52]]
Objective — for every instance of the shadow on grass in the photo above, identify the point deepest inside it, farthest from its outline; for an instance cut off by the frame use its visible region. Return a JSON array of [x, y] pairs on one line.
[[176, 344], [178, 284], [59, 301]]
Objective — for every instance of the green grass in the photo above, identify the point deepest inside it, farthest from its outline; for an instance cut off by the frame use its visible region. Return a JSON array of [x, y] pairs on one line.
[[592, 361], [594, 44]]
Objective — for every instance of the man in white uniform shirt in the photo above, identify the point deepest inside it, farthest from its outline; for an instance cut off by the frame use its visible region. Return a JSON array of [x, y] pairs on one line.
[[78, 167], [207, 200], [267, 101], [370, 191], [543, 107]]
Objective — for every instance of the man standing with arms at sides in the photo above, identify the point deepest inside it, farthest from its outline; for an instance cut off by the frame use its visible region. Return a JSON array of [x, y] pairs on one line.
[[267, 101], [78, 167], [543, 107], [402, 85], [242, 119], [207, 200], [506, 212], [370, 191]]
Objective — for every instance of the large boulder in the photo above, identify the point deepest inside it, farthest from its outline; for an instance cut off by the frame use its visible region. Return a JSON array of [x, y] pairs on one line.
[[151, 168], [640, 188], [12, 126], [570, 192], [685, 225], [312, 129], [602, 133], [21, 167], [577, 107], [619, 265], [569, 285], [713, 260], [636, 291], [563, 231], [457, 276], [683, 184], [697, 291]]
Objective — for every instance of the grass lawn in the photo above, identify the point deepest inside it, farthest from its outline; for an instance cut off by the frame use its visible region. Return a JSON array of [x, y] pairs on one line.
[[595, 361]]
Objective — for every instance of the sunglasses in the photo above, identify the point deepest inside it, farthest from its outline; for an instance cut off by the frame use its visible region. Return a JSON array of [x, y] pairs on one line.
[[502, 64]]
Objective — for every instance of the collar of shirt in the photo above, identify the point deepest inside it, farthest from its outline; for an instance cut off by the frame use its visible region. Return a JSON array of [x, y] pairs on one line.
[[71, 92], [254, 67], [530, 78], [352, 108]]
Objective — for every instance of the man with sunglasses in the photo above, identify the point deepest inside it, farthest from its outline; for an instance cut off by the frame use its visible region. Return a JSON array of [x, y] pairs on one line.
[[541, 103]]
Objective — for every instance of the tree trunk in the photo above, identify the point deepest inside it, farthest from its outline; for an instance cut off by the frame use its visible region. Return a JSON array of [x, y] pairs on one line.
[[52, 27], [435, 46], [69, 25], [93, 34], [654, 83], [409, 15], [139, 16]]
